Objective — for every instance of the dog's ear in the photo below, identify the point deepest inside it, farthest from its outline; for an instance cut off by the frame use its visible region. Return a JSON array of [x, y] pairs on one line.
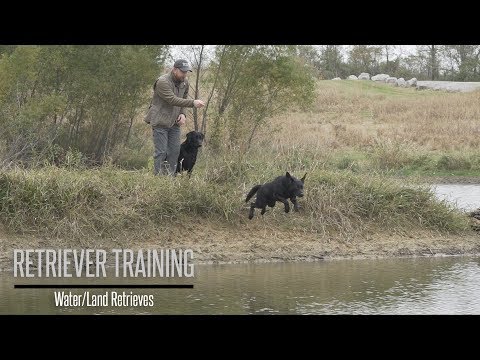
[[303, 178], [189, 137], [288, 175]]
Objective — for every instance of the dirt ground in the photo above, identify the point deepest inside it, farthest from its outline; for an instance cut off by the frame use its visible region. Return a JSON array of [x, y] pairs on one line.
[[257, 242]]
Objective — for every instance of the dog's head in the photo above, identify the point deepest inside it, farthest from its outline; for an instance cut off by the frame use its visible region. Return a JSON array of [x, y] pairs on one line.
[[195, 139], [295, 185]]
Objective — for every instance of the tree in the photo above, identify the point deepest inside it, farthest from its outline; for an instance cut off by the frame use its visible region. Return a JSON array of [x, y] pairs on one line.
[[364, 58], [391, 64], [311, 57], [253, 83], [199, 56], [74, 97], [433, 61], [462, 62], [427, 61], [331, 61]]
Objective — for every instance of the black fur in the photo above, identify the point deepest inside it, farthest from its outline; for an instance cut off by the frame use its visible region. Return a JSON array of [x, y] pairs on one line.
[[188, 151], [281, 189]]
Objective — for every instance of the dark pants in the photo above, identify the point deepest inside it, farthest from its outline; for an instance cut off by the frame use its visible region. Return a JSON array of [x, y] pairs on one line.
[[167, 149]]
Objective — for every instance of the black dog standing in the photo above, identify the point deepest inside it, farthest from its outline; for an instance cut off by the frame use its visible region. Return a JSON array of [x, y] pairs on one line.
[[188, 151], [281, 189]]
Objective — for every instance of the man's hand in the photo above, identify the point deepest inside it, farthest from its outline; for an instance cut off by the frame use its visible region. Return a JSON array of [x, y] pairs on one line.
[[181, 119], [198, 103]]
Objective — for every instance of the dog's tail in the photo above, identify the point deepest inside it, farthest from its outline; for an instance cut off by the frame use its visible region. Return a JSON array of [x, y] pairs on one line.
[[252, 192]]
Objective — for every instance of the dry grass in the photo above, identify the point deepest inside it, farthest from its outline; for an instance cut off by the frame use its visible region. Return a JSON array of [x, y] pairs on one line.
[[358, 115], [109, 203]]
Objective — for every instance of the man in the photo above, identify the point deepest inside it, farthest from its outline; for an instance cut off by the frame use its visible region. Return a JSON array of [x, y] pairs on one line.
[[167, 113]]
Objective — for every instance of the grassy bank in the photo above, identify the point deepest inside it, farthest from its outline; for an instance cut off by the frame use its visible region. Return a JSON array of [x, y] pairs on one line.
[[343, 214], [108, 202]]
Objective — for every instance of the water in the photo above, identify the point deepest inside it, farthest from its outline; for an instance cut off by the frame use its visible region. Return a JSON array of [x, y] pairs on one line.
[[465, 197], [383, 286]]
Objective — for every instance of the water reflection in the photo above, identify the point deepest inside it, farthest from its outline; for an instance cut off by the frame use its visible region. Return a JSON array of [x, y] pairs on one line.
[[466, 197], [384, 286]]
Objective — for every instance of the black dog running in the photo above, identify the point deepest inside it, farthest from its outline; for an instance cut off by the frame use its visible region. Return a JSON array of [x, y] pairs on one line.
[[281, 189]]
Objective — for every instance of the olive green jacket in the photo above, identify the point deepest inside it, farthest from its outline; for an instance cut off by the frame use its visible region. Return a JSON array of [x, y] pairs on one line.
[[169, 100]]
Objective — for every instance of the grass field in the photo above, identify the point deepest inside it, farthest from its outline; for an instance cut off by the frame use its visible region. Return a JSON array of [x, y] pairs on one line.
[[380, 126]]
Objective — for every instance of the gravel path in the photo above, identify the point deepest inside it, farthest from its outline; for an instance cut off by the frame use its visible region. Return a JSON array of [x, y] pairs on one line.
[[452, 86]]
